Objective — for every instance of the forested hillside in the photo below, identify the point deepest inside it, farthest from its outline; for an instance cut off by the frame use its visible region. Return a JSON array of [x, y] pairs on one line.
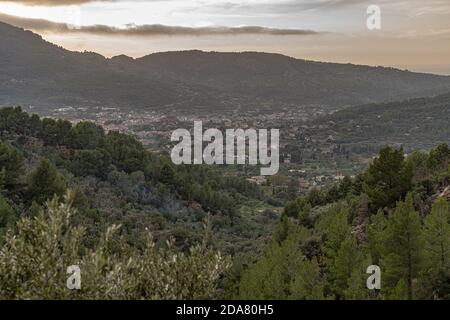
[[36, 72], [414, 123], [116, 181], [74, 194], [395, 215]]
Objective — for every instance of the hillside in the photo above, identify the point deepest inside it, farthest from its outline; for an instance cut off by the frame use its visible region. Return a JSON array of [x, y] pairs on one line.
[[118, 182], [417, 123], [118, 193], [36, 72], [395, 215]]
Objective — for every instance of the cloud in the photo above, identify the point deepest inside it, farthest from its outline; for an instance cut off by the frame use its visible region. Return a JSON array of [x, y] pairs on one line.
[[52, 2], [277, 6], [47, 26]]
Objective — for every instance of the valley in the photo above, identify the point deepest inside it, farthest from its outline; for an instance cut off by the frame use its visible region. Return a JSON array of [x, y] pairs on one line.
[[86, 175]]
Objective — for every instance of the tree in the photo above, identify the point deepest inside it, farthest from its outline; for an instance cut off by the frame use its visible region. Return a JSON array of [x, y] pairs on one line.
[[91, 163], [342, 255], [439, 157], [168, 175], [435, 278], [308, 283], [356, 282], [11, 163], [404, 247], [345, 187], [34, 260], [265, 279], [87, 135], [272, 275], [437, 237], [45, 182], [375, 233], [345, 268], [55, 132], [7, 216], [126, 152], [2, 179], [333, 224], [292, 209], [388, 179]]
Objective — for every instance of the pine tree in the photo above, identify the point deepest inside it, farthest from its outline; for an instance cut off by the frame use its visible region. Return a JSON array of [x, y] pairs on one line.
[[342, 254], [403, 258], [308, 283], [334, 225], [356, 283], [45, 182], [388, 179], [265, 279], [375, 236], [437, 236], [271, 276], [346, 268], [2, 179], [7, 216], [11, 164]]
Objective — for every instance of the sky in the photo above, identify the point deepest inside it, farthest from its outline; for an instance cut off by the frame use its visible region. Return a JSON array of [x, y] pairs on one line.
[[414, 34]]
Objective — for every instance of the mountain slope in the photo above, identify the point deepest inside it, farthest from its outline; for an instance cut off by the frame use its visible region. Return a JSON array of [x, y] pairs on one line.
[[416, 123], [289, 80], [37, 72]]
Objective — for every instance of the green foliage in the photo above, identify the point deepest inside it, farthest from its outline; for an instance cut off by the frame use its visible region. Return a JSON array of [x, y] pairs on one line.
[[356, 282], [91, 163], [333, 225], [119, 182], [375, 233], [54, 132], [342, 255], [388, 179], [437, 236], [11, 164], [127, 153], [272, 276], [320, 248], [439, 157], [87, 135], [347, 260], [403, 254], [7, 216], [292, 209], [308, 283], [400, 291], [2, 179], [45, 182], [34, 260], [345, 239]]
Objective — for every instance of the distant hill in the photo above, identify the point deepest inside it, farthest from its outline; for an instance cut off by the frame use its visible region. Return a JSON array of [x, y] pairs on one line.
[[36, 72], [415, 123]]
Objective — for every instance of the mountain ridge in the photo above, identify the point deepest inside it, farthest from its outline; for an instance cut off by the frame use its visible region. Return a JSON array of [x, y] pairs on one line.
[[37, 72]]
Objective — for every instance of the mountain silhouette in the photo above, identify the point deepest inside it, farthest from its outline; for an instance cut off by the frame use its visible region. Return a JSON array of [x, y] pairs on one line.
[[36, 72]]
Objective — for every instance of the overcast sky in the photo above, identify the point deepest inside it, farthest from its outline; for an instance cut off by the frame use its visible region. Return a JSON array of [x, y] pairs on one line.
[[415, 34]]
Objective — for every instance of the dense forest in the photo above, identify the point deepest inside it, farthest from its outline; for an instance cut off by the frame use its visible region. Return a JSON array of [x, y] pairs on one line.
[[393, 123], [394, 215], [116, 181], [142, 228]]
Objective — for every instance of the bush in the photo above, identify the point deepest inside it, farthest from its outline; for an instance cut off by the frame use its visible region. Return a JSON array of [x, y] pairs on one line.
[[34, 261]]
